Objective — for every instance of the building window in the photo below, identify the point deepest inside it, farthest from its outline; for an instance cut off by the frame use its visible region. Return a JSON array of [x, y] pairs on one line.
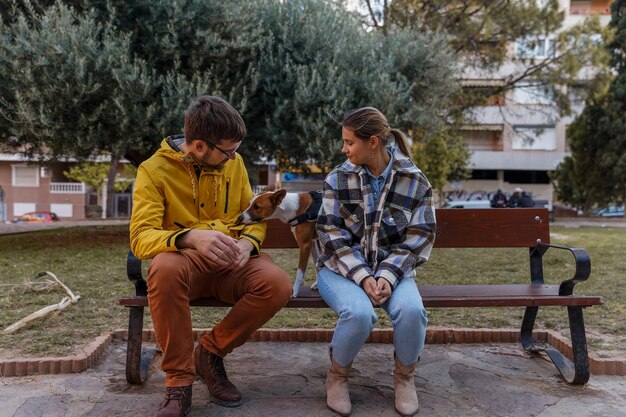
[[535, 48], [526, 177], [483, 140], [22, 208], [25, 176], [92, 199], [534, 137], [527, 93], [484, 174], [62, 209]]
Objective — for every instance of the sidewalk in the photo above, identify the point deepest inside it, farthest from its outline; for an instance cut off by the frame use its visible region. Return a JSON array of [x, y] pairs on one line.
[[287, 379], [588, 222], [11, 228]]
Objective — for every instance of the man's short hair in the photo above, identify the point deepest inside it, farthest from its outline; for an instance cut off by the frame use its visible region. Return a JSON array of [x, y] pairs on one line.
[[212, 119]]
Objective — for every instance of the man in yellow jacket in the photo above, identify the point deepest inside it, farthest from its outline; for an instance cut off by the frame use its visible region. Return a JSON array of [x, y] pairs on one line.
[[187, 198]]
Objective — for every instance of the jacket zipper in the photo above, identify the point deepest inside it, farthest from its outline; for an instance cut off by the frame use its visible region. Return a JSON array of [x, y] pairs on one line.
[[227, 190]]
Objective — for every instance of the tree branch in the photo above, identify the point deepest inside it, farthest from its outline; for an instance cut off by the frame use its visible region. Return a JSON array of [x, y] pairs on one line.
[[372, 14]]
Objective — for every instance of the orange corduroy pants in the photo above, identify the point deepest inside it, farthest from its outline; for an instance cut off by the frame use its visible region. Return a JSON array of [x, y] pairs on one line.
[[258, 291]]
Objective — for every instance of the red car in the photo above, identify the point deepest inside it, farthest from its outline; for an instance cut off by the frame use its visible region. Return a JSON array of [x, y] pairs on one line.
[[37, 217]]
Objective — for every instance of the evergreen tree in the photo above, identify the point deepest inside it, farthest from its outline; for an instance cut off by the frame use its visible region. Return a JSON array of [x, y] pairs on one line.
[[71, 88], [596, 171], [322, 63], [291, 69]]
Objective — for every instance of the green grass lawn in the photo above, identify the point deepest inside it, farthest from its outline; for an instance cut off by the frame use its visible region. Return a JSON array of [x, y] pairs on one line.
[[92, 262]]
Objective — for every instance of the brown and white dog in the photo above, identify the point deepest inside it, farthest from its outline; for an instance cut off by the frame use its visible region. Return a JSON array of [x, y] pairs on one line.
[[300, 210]]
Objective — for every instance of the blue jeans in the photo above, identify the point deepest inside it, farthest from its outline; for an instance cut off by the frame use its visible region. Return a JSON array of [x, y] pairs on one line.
[[357, 317]]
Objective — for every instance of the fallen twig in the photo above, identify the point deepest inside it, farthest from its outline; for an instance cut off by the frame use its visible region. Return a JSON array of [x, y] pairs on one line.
[[64, 303]]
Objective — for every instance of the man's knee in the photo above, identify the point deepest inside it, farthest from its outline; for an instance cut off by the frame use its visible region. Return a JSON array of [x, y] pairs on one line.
[[281, 287], [273, 285], [166, 272]]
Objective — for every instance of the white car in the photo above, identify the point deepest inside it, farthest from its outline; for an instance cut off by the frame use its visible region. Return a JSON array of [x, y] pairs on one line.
[[468, 204]]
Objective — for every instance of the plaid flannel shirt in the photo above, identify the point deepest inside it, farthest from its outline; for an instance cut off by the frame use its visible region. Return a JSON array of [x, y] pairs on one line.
[[357, 241]]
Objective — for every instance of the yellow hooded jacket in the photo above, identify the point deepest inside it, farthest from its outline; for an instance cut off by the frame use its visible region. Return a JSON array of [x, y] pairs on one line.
[[173, 195]]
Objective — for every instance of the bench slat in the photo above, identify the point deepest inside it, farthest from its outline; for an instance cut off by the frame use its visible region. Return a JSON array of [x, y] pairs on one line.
[[461, 228], [439, 296]]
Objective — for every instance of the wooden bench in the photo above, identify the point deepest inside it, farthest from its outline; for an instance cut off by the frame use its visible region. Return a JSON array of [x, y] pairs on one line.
[[456, 228]]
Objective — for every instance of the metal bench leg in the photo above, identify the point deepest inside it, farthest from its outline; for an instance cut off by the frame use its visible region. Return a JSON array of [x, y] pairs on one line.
[[137, 361], [580, 373], [526, 335], [133, 348], [579, 345]]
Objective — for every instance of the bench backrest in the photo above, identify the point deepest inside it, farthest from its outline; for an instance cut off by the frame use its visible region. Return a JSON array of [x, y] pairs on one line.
[[461, 228]]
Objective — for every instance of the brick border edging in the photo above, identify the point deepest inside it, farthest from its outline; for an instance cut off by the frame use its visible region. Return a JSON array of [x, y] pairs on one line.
[[434, 335], [58, 365]]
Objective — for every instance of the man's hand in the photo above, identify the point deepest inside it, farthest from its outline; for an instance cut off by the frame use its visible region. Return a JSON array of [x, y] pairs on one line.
[[246, 248], [220, 249]]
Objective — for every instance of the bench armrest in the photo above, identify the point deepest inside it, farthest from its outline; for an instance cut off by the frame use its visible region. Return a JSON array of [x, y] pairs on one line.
[[133, 270], [583, 266]]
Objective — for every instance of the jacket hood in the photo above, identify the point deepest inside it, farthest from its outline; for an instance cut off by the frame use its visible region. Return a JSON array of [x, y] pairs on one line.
[[170, 149]]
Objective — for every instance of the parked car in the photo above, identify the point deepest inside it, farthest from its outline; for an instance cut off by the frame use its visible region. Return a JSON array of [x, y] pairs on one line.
[[487, 204], [468, 204], [610, 211], [37, 217]]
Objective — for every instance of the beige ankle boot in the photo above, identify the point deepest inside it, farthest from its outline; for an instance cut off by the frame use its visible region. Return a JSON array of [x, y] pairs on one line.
[[407, 404], [337, 396]]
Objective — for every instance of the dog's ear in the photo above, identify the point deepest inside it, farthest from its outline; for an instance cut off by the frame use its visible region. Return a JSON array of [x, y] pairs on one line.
[[277, 197], [271, 187]]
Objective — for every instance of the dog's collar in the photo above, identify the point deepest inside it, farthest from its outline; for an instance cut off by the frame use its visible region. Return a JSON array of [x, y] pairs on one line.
[[311, 213]]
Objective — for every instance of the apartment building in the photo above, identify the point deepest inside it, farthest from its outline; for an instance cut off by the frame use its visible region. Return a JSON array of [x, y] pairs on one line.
[[519, 137], [26, 185]]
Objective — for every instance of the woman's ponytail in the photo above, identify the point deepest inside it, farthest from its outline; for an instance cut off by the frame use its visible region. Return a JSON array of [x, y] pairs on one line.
[[401, 142]]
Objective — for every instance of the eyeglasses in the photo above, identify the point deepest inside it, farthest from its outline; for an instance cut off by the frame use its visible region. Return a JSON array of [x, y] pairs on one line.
[[229, 154]]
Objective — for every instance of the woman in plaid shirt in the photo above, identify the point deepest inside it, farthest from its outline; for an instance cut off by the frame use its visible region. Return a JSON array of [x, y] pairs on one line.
[[376, 225]]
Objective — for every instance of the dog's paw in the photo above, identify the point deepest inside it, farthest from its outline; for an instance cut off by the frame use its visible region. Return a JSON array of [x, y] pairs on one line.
[[295, 291]]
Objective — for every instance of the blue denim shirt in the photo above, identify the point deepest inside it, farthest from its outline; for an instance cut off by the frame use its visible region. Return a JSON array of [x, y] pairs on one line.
[[377, 183]]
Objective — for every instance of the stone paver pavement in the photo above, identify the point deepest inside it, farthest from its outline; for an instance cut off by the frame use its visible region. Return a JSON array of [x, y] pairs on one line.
[[287, 379]]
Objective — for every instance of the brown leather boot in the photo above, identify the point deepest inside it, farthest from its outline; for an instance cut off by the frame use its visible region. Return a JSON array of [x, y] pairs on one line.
[[407, 404], [337, 395], [177, 402], [210, 369]]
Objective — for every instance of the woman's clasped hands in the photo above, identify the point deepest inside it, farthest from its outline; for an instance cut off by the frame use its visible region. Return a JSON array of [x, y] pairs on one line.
[[378, 291]]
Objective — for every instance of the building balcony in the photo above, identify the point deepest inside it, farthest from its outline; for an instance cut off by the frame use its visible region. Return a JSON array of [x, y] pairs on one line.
[[590, 7], [516, 160], [67, 188]]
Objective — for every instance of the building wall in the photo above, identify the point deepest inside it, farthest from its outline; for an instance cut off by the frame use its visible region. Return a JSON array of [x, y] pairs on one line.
[[19, 199], [508, 152]]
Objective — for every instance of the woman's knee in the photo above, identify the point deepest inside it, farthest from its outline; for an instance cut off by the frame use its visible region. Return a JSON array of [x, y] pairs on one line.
[[359, 317], [413, 313], [409, 311]]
